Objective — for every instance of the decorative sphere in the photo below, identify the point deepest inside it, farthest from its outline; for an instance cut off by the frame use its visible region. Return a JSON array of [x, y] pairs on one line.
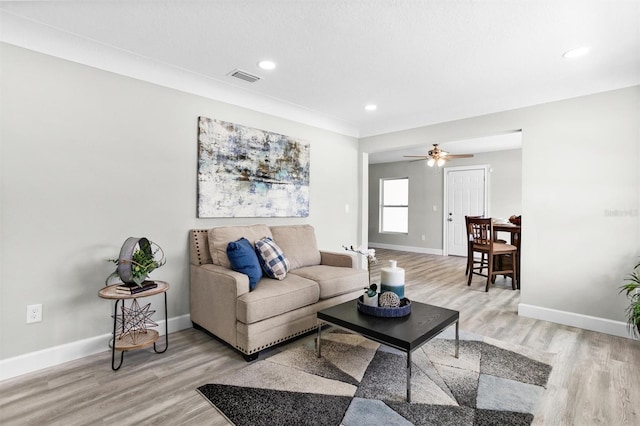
[[389, 299]]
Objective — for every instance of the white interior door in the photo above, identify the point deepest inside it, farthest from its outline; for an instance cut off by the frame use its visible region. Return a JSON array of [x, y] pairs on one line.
[[465, 195]]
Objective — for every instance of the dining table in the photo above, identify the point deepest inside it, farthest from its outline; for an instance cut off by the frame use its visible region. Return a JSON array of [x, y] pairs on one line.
[[514, 231]]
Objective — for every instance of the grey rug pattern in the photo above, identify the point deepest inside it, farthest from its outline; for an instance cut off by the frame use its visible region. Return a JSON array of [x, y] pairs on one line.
[[359, 382]]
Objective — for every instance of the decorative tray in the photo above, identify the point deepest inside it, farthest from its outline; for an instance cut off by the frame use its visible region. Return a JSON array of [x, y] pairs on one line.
[[382, 311]]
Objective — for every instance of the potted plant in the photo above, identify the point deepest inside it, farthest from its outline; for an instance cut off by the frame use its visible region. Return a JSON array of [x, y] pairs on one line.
[[370, 297], [138, 257], [631, 290], [369, 253]]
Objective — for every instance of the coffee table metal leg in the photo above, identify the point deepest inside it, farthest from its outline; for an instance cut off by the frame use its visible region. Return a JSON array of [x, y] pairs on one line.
[[457, 340], [408, 376], [318, 340]]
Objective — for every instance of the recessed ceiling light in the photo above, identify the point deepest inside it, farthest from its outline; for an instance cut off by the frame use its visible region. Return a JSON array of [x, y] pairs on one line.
[[371, 107], [267, 65], [574, 53]]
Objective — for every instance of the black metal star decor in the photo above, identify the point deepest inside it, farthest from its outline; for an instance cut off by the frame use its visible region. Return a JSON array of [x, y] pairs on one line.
[[134, 320]]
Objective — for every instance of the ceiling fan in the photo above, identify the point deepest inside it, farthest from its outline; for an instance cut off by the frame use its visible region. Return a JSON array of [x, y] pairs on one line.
[[438, 157]]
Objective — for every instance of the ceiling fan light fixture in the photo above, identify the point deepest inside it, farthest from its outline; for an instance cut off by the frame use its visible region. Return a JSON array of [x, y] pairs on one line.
[[437, 157]]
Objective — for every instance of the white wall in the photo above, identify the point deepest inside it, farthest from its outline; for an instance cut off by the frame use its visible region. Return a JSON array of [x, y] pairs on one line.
[[426, 190], [579, 164], [89, 158]]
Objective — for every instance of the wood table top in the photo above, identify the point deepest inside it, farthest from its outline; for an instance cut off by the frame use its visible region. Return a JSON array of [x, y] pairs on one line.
[[109, 292]]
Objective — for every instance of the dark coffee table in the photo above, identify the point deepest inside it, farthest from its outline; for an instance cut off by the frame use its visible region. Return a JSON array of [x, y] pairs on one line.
[[406, 333]]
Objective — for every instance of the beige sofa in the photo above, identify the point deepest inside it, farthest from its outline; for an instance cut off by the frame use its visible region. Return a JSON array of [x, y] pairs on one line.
[[274, 311]]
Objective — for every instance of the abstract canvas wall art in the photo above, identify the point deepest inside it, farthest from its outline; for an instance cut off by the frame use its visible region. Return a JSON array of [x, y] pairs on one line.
[[247, 172]]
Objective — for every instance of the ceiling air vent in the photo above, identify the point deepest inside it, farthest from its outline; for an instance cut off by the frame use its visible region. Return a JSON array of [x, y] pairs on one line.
[[243, 75]]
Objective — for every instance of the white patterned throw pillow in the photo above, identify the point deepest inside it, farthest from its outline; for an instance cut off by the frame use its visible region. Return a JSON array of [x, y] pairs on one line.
[[272, 259]]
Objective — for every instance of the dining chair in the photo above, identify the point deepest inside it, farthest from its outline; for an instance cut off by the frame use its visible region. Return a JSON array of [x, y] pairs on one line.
[[481, 232], [470, 252]]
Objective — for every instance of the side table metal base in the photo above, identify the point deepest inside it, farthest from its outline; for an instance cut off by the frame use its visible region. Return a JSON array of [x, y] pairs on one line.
[[115, 335]]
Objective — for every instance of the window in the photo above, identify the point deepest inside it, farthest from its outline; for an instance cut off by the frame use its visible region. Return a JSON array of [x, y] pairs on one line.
[[394, 205]]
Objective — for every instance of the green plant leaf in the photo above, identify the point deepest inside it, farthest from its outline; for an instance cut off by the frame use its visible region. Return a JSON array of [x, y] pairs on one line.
[[143, 261], [631, 289], [372, 290]]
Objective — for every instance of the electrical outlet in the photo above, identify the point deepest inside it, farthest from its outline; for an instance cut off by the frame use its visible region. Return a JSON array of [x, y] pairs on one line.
[[34, 313]]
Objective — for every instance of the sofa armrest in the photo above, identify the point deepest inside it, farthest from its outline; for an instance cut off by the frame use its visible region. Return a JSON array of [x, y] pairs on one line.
[[344, 260], [213, 296], [220, 276]]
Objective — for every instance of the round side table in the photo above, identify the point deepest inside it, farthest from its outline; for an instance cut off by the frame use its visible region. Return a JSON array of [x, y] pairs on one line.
[[129, 325]]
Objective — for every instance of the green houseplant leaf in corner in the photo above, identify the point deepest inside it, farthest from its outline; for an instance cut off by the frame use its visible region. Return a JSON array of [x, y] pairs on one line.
[[632, 290], [138, 257]]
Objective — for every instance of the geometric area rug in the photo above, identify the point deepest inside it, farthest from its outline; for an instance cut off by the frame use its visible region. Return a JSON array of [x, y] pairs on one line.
[[360, 382]]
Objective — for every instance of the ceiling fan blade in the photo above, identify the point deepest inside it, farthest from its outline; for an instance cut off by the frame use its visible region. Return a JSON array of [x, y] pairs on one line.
[[460, 156], [424, 157]]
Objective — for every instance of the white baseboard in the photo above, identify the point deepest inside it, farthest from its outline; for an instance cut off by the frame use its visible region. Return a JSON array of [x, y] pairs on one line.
[[27, 363], [406, 248], [601, 325]]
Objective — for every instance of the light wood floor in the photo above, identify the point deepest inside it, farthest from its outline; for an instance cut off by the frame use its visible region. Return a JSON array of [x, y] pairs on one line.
[[595, 379]]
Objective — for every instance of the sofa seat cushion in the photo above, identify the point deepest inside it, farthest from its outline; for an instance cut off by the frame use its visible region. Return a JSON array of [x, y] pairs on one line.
[[219, 239], [272, 297], [333, 280]]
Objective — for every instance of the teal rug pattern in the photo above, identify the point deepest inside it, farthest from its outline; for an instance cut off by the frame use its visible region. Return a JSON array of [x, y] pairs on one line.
[[359, 382]]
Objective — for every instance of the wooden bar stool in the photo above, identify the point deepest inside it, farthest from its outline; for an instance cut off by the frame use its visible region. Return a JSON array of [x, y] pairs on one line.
[[482, 241], [470, 246]]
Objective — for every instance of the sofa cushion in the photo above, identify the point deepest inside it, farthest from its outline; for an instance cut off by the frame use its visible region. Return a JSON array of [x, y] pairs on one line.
[[273, 261], [272, 297], [219, 239], [333, 280], [243, 259], [299, 243]]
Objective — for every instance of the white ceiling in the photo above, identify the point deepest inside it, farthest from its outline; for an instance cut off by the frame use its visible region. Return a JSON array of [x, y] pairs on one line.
[[420, 61]]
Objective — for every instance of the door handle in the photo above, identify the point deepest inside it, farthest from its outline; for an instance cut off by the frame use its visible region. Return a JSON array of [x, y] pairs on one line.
[[450, 220]]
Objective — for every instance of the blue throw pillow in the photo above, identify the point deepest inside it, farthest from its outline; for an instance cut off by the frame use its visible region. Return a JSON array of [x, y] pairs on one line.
[[273, 261], [243, 259]]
